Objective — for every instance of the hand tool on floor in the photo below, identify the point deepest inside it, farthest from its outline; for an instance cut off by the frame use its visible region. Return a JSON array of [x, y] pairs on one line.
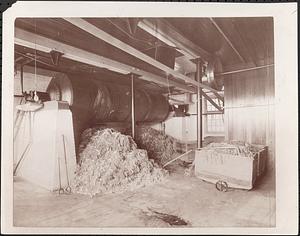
[[18, 121], [19, 113], [21, 158], [68, 188], [169, 162], [31, 120], [60, 190]]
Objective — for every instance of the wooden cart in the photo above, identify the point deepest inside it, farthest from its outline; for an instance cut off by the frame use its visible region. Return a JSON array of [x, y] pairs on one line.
[[230, 171]]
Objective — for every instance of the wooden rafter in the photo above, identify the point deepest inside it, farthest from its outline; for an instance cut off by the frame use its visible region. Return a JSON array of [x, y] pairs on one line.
[[227, 39], [170, 35], [95, 31], [40, 43], [208, 98]]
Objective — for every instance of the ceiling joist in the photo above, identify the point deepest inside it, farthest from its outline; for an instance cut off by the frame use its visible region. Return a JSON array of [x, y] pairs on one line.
[[40, 43], [168, 34], [227, 39], [95, 31], [208, 98]]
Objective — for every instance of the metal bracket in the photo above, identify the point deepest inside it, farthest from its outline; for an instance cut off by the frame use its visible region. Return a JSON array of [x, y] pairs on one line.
[[55, 57]]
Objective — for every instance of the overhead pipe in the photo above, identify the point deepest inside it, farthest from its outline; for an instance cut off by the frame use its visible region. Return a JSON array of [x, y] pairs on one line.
[[244, 70]]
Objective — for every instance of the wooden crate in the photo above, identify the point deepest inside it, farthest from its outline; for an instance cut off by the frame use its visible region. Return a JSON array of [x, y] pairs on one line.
[[236, 171]]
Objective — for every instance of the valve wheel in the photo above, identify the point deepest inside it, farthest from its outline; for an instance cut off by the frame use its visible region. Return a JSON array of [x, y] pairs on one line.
[[222, 186]]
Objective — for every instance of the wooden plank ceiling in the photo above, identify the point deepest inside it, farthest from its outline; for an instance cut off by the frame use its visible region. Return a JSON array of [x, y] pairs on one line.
[[252, 38]]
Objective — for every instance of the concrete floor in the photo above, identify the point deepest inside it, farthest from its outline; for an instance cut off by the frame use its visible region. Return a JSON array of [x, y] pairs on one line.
[[193, 200]]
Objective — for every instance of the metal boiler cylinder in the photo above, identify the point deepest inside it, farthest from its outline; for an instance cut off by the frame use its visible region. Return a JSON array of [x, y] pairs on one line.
[[93, 102]]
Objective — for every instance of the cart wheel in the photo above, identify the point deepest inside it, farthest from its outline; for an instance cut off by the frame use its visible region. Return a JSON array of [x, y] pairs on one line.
[[222, 186]]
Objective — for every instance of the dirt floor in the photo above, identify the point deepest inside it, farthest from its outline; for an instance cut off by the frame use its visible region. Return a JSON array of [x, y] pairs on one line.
[[180, 201]]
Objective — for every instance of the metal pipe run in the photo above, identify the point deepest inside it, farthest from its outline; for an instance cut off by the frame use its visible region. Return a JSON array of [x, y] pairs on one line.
[[244, 70]]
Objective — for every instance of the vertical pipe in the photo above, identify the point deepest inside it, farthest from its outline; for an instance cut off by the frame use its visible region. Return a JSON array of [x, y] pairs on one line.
[[132, 107], [199, 65], [21, 71]]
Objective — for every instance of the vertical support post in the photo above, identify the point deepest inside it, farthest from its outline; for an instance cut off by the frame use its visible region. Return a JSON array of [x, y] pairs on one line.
[[132, 106], [21, 80], [199, 74]]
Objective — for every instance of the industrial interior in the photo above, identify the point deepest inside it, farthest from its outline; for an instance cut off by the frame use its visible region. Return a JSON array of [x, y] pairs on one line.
[[144, 122]]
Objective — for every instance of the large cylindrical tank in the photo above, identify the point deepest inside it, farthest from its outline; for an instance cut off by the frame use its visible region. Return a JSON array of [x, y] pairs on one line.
[[93, 101]]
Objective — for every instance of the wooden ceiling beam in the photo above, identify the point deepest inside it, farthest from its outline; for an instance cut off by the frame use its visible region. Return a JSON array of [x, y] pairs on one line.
[[97, 32], [167, 33], [247, 45], [227, 39], [163, 32], [212, 102], [40, 43], [217, 95]]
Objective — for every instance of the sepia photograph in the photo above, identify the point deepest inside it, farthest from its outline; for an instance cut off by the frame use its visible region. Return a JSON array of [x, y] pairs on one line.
[[159, 121]]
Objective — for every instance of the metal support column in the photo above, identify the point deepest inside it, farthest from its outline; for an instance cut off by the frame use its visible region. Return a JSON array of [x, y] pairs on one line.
[[198, 78], [132, 106]]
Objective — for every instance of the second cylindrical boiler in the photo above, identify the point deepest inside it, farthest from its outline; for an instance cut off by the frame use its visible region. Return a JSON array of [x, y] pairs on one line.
[[100, 102], [94, 102]]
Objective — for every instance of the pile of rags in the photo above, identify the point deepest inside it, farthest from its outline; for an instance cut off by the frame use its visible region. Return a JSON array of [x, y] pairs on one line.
[[160, 147], [111, 162]]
